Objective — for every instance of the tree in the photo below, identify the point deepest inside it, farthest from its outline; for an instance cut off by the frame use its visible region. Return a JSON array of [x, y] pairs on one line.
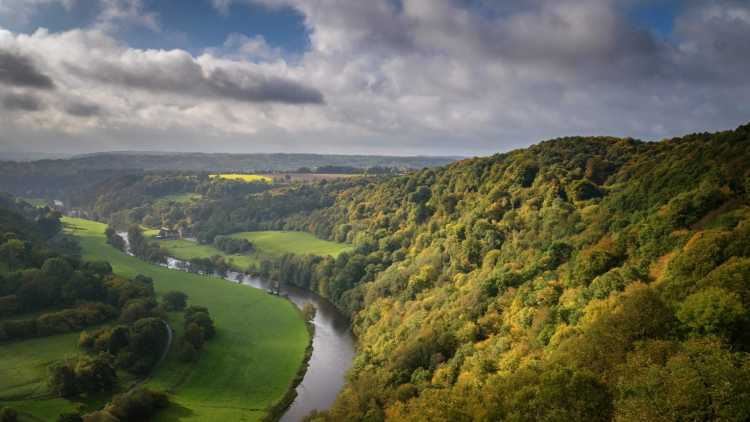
[[138, 404], [8, 414], [174, 300], [57, 269], [12, 252], [187, 352], [194, 335], [697, 380], [115, 239], [712, 311], [309, 311]]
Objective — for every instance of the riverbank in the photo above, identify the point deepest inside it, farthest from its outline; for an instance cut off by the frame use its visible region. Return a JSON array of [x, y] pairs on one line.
[[333, 345], [277, 411]]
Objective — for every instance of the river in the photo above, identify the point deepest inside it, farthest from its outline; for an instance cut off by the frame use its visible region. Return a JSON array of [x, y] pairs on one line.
[[333, 344], [333, 351]]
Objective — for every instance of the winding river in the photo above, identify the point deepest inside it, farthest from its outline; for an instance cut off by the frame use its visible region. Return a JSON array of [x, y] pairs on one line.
[[333, 344], [333, 350]]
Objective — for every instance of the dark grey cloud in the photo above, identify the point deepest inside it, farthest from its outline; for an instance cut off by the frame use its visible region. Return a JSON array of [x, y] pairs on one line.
[[18, 70], [176, 72], [82, 109], [263, 89], [22, 102]]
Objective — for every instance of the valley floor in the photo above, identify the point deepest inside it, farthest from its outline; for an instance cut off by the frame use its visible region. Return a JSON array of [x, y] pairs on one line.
[[267, 244], [259, 347]]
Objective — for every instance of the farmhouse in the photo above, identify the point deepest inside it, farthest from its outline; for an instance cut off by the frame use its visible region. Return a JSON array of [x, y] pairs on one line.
[[166, 233]]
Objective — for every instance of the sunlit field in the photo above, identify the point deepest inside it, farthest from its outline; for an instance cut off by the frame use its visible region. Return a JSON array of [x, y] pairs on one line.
[[267, 244], [248, 178]]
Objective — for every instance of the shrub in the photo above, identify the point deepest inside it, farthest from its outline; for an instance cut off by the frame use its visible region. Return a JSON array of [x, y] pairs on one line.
[[194, 335], [309, 311], [186, 351], [138, 404], [82, 375], [174, 301], [232, 245], [204, 321], [8, 414]]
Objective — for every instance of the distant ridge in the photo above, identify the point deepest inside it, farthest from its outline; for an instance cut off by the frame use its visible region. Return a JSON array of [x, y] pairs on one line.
[[258, 162]]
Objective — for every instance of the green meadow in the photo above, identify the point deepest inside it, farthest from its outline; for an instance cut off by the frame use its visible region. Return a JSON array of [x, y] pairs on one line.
[[300, 243], [267, 243], [185, 250], [249, 365]]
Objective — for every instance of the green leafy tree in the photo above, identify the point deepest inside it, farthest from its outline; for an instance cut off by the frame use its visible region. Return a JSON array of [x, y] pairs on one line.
[[174, 300]]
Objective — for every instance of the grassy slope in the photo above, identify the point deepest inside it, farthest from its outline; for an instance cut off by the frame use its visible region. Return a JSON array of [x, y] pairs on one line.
[[23, 364], [266, 243], [248, 366], [276, 242], [185, 249]]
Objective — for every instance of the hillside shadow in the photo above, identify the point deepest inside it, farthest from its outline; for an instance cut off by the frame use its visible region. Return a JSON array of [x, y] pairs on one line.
[[175, 412]]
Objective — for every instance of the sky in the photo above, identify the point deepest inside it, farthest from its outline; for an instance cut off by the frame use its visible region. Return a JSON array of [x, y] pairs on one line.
[[394, 77]]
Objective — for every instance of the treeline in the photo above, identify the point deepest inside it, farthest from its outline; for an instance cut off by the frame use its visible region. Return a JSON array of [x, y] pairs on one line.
[[226, 206]]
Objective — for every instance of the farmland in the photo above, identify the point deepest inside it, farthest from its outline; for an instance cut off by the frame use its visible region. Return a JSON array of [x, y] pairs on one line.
[[260, 344], [267, 244], [247, 178]]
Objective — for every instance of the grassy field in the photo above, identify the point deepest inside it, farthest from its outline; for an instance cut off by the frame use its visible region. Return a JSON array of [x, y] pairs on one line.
[[267, 243], [23, 364], [181, 198], [23, 377], [301, 243], [186, 250], [248, 366], [243, 177]]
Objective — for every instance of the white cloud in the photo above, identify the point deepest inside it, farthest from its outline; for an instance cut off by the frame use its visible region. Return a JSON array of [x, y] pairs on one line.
[[115, 13], [419, 76]]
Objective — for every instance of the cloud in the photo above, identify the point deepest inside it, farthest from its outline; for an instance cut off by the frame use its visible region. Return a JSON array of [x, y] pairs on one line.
[[83, 109], [179, 73], [19, 102], [399, 77], [22, 10], [115, 13], [18, 70]]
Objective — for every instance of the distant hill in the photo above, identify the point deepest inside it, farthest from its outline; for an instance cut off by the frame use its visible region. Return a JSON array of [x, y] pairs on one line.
[[155, 161], [60, 178]]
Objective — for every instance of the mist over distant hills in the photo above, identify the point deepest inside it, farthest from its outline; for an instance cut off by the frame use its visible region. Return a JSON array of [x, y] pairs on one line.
[[194, 161]]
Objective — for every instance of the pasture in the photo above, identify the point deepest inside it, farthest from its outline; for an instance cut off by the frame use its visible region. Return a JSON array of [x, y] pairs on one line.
[[267, 244], [249, 365], [300, 243]]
